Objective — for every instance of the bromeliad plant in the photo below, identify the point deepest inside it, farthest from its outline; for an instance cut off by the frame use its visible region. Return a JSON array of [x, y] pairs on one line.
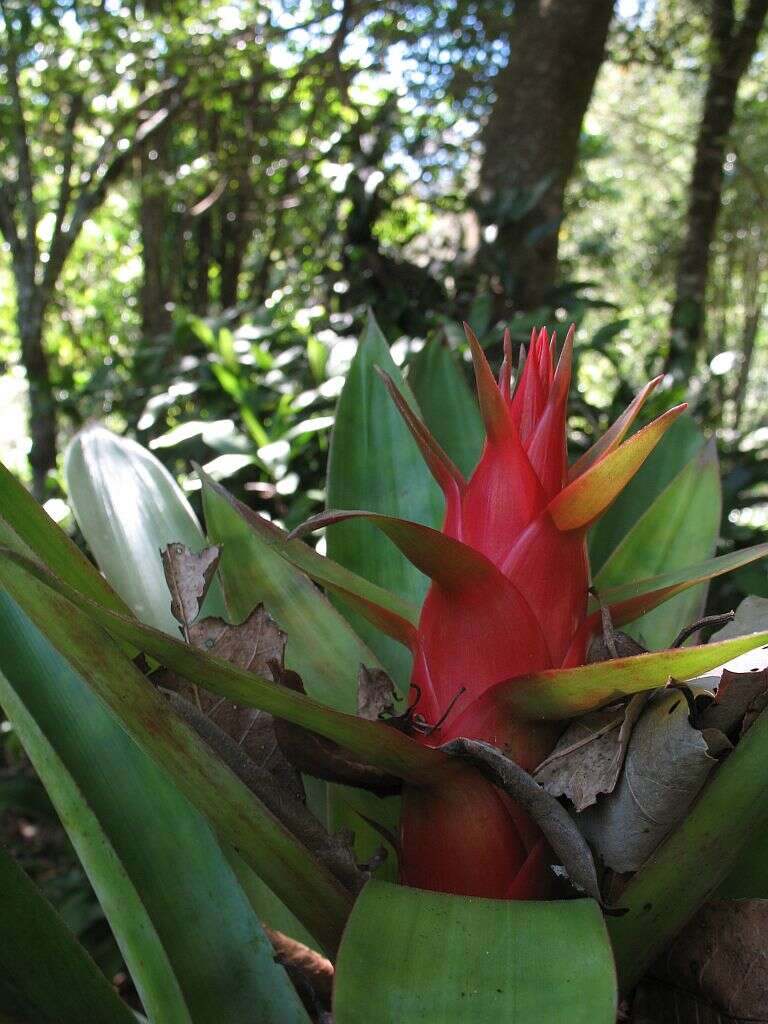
[[169, 717]]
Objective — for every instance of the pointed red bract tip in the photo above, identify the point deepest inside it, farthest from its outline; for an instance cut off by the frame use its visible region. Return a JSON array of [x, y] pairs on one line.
[[498, 424]]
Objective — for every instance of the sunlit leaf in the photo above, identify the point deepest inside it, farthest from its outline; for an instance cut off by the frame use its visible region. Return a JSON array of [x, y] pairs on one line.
[[473, 960]]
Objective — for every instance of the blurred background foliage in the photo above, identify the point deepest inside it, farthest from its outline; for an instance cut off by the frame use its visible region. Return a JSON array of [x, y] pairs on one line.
[[199, 202]]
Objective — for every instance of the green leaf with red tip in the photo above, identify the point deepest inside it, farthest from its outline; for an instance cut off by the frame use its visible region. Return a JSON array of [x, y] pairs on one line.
[[587, 497], [565, 693], [374, 742], [680, 528], [615, 434], [680, 444], [631, 600], [521, 961], [255, 545], [375, 464], [446, 474], [449, 408]]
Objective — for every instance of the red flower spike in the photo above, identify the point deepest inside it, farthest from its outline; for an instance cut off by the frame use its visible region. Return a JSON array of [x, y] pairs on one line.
[[509, 597]]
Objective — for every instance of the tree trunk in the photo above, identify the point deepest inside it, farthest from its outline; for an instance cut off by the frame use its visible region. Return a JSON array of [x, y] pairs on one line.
[[155, 290], [733, 45], [531, 139], [42, 403]]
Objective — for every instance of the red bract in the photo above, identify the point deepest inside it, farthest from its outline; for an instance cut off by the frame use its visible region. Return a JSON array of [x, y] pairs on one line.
[[519, 605], [510, 586]]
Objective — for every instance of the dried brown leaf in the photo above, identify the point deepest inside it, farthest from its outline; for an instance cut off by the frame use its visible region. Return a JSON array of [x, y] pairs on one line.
[[256, 645], [589, 755], [715, 972], [188, 575], [735, 694], [376, 693], [666, 764]]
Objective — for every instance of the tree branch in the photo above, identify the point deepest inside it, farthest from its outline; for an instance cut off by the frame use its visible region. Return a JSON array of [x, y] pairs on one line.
[[65, 191], [103, 174]]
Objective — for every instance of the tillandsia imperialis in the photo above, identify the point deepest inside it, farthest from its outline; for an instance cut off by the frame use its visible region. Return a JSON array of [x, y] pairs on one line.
[[509, 597], [502, 657]]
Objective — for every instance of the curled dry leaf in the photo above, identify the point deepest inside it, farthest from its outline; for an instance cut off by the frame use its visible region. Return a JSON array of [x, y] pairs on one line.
[[716, 971], [257, 645], [666, 764], [589, 755], [735, 696], [376, 693], [311, 973], [189, 576], [551, 817]]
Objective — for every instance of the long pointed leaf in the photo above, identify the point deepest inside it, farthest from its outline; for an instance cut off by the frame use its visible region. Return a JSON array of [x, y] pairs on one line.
[[274, 853], [447, 404], [129, 827], [631, 600], [565, 693], [380, 745], [679, 445], [27, 530], [43, 964], [680, 527], [374, 464]]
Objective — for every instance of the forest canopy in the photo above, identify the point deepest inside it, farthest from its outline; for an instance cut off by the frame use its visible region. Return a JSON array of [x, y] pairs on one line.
[[198, 203]]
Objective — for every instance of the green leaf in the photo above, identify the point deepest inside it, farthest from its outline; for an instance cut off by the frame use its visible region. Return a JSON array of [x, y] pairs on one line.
[[473, 960], [380, 745], [374, 464], [678, 446], [322, 647], [185, 934], [679, 528], [687, 868], [259, 564], [86, 655], [567, 692], [128, 506], [448, 406], [392, 614], [632, 599], [42, 963], [26, 528]]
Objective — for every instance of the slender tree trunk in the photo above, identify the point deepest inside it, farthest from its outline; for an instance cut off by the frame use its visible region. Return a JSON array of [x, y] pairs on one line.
[[41, 401], [752, 321], [531, 139], [155, 290], [733, 45]]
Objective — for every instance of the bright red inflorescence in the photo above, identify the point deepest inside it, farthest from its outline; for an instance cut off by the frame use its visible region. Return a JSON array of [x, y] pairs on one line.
[[515, 603]]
